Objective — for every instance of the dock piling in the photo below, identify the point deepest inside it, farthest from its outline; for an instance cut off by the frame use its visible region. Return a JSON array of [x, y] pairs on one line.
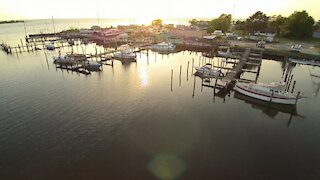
[[171, 78], [180, 75], [188, 71], [293, 86]]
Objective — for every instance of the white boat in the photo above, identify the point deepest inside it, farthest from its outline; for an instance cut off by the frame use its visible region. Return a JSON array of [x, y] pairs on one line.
[[207, 70], [163, 46], [296, 47], [125, 52], [304, 62], [93, 65], [273, 92], [49, 47], [111, 33], [69, 58], [226, 54], [61, 59]]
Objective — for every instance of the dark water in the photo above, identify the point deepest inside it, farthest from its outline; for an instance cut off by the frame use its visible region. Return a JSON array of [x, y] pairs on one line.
[[126, 123]]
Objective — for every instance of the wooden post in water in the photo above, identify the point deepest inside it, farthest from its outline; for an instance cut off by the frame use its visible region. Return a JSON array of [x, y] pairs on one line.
[[192, 65], [180, 75], [271, 98], [194, 86], [21, 43], [294, 84], [171, 78], [297, 98], [188, 71]]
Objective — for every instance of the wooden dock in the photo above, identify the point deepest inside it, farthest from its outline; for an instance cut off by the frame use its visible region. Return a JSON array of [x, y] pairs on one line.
[[250, 62]]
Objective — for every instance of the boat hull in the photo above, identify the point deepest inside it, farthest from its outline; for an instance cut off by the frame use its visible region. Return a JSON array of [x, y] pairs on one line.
[[264, 97], [128, 57]]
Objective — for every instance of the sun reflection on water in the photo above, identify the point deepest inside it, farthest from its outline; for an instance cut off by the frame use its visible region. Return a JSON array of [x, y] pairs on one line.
[[143, 75]]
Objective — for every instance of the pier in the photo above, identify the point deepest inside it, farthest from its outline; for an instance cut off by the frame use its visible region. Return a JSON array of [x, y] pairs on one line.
[[249, 62]]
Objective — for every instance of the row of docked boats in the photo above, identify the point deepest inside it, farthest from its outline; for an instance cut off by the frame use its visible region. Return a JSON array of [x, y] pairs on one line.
[[126, 53], [77, 59]]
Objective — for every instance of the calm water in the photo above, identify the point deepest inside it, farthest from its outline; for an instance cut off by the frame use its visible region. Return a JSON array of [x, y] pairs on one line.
[[126, 123]]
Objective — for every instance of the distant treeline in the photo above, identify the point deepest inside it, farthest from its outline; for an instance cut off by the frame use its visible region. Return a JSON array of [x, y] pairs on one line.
[[11, 21], [298, 25]]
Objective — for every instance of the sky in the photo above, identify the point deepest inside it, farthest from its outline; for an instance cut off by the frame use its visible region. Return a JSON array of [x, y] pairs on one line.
[[151, 9]]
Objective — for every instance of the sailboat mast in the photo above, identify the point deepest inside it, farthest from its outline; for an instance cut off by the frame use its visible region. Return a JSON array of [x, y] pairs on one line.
[[54, 28]]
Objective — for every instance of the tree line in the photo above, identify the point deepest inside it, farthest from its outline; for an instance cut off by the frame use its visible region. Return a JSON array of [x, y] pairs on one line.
[[298, 25]]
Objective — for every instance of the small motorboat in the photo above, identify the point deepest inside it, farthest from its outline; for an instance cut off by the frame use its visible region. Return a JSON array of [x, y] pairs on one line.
[[207, 70], [163, 46], [124, 53], [93, 66]]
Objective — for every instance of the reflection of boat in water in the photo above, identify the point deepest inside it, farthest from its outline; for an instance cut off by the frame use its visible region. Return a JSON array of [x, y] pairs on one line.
[[315, 79], [207, 70], [304, 62], [273, 92], [269, 109], [163, 46], [125, 53]]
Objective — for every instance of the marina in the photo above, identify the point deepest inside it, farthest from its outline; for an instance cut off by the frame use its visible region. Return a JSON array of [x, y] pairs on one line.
[[92, 109]]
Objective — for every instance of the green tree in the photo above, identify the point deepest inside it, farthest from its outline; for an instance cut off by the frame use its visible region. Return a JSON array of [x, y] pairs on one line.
[[222, 23], [317, 26], [299, 25], [193, 22], [240, 25], [257, 22], [157, 22], [277, 22]]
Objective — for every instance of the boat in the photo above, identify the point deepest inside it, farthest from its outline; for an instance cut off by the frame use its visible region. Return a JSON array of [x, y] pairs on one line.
[[296, 47], [269, 109], [49, 47], [93, 66], [163, 46], [273, 92], [207, 70], [226, 54], [125, 53], [304, 62], [111, 33], [69, 58]]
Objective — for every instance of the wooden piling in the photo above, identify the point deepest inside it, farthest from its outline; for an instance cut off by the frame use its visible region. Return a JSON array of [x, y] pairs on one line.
[[180, 75], [192, 65], [297, 98], [271, 98], [293, 86], [194, 86], [171, 78], [188, 71]]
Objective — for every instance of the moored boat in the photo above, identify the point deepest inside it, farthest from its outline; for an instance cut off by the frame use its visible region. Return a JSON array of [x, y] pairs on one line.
[[207, 70], [304, 62], [93, 66], [69, 58], [273, 92], [163, 46], [125, 53]]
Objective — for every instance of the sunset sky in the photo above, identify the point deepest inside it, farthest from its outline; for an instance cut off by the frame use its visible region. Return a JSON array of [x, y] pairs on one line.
[[150, 9]]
